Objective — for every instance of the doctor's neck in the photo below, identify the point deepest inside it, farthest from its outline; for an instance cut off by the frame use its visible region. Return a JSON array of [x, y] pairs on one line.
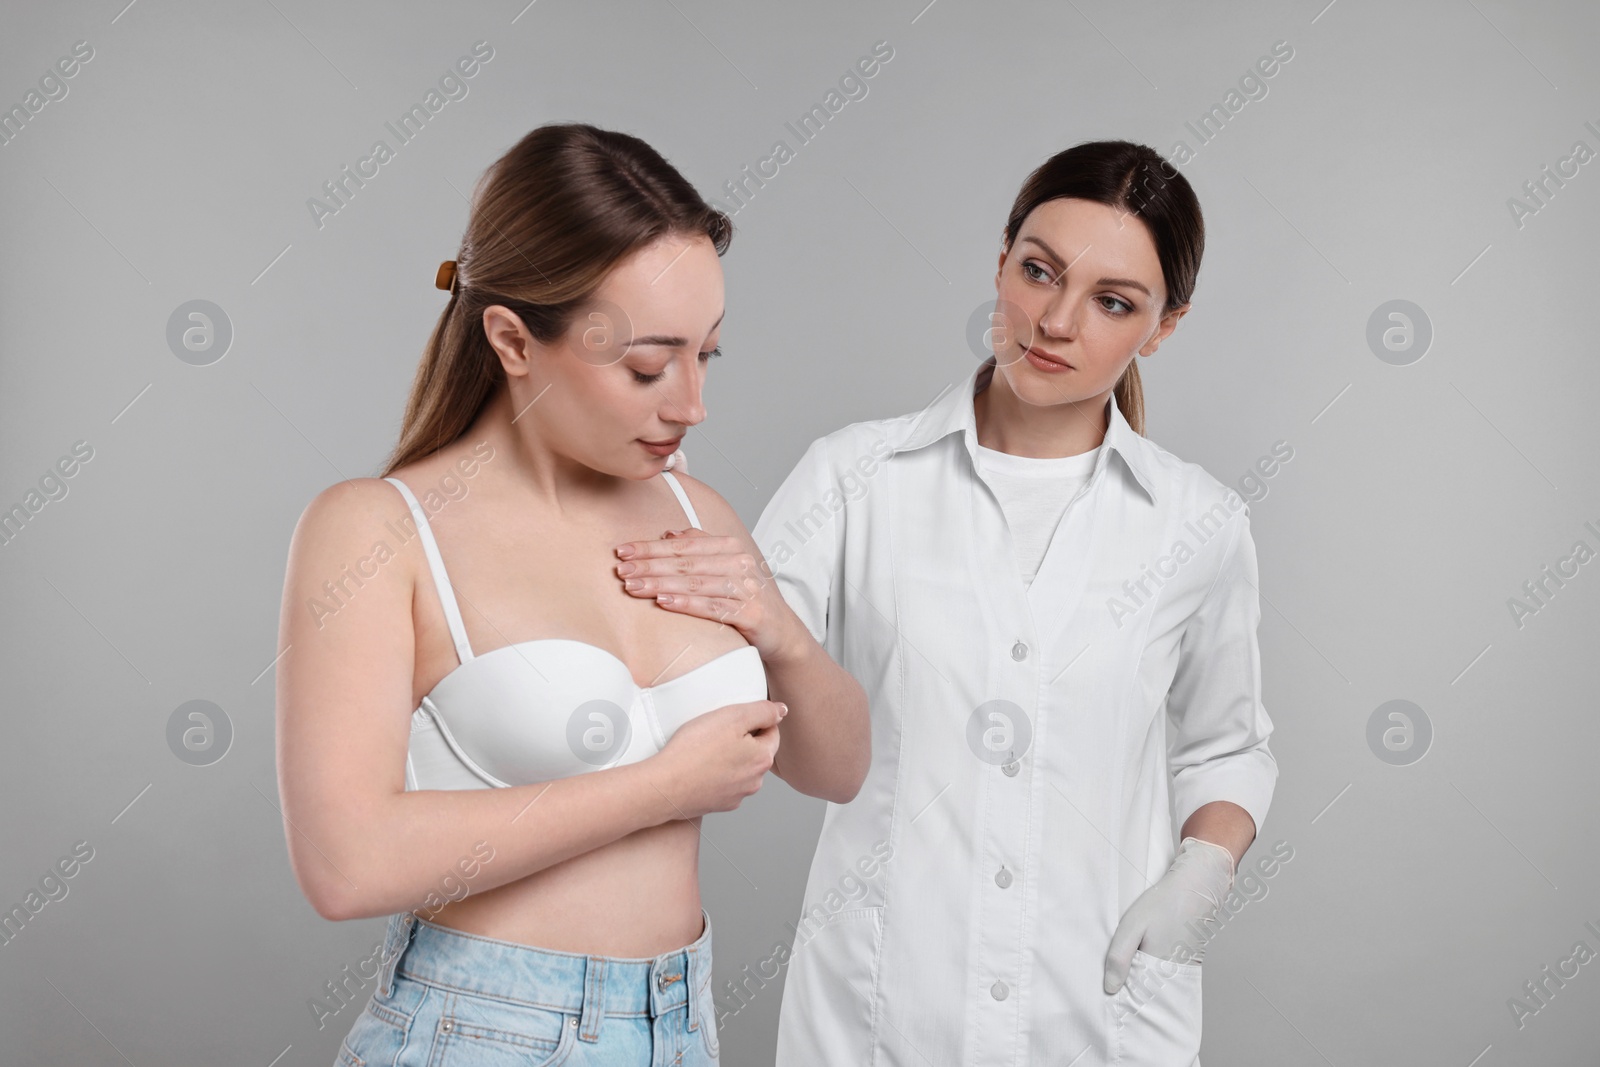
[[1007, 423]]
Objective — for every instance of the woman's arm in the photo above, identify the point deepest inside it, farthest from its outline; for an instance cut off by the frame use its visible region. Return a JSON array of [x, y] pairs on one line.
[[717, 573], [359, 844]]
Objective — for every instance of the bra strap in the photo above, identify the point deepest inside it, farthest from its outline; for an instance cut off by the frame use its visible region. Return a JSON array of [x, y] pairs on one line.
[[441, 581], [683, 498]]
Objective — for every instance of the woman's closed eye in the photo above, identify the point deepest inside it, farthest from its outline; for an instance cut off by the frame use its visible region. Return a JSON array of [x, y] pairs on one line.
[[651, 379]]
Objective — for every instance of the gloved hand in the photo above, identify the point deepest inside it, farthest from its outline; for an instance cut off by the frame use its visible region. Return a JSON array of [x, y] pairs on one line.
[[1191, 891]]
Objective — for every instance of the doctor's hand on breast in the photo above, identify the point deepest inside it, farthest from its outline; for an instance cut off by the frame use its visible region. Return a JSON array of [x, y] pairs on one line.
[[1163, 919], [711, 576], [716, 759]]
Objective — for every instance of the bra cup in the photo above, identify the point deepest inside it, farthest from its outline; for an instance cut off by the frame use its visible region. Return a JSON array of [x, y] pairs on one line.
[[736, 678], [553, 708], [519, 712]]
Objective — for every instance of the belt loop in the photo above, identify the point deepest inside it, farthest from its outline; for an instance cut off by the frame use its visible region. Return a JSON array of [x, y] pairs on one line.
[[698, 958], [691, 975], [397, 937], [594, 985]]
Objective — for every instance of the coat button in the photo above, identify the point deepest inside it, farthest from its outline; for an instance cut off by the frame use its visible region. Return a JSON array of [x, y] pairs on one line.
[[1002, 878], [1019, 651], [1011, 768], [999, 990]]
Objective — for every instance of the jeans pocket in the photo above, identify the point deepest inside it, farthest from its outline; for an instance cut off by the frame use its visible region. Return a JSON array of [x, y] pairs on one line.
[[1156, 1014], [378, 1036], [478, 1031]]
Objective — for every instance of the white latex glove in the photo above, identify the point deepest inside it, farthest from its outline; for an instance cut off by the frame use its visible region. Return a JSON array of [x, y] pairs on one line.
[[1191, 891]]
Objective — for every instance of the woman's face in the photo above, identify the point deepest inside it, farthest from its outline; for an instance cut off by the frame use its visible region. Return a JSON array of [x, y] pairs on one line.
[[628, 372], [1080, 293]]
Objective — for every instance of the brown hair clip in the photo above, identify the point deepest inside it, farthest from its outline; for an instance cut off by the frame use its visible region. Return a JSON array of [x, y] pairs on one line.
[[446, 278]]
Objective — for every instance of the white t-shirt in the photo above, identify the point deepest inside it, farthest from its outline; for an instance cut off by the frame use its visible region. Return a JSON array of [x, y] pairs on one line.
[[1033, 494]]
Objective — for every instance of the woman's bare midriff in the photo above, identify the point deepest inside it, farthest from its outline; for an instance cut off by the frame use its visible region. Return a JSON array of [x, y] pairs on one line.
[[636, 897]]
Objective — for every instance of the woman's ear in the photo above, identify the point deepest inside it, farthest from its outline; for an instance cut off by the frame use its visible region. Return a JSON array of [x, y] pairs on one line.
[[509, 338], [1169, 322]]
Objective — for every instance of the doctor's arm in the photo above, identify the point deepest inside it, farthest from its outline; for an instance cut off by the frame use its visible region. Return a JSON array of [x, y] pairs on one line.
[[1224, 823], [827, 746], [826, 743], [1223, 773], [720, 573]]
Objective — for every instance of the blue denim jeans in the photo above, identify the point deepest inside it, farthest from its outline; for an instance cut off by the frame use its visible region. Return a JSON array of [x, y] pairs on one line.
[[451, 999]]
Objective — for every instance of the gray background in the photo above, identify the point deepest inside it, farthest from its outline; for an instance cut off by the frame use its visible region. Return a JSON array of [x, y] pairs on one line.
[[1420, 497]]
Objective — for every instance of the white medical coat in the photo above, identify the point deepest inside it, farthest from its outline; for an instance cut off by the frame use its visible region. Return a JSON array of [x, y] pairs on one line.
[[1034, 748]]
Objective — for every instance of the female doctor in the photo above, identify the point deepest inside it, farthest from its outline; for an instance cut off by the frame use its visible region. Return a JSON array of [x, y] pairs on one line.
[[1054, 620]]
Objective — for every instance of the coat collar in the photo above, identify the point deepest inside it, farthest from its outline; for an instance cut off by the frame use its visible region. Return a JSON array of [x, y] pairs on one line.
[[952, 412]]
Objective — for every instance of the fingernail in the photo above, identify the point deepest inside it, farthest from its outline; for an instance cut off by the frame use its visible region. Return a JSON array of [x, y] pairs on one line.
[[663, 598], [624, 551], [625, 569], [783, 709], [633, 584]]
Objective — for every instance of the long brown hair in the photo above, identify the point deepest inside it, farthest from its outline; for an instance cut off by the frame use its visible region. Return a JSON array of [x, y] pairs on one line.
[[549, 220], [1134, 178]]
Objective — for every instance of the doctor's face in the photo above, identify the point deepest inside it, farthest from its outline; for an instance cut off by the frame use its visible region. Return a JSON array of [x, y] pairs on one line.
[[1082, 293]]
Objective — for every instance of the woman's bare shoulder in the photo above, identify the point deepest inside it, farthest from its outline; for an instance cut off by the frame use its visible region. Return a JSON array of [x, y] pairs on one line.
[[345, 516], [716, 514], [350, 500]]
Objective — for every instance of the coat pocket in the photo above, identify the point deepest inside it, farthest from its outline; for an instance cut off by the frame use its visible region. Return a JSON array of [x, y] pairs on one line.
[[1155, 1016], [830, 995]]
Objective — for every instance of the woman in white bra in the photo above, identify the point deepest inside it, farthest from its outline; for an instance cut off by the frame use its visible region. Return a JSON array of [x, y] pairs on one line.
[[483, 734]]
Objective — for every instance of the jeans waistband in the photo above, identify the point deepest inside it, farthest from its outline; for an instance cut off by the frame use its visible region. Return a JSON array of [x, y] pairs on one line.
[[585, 985]]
